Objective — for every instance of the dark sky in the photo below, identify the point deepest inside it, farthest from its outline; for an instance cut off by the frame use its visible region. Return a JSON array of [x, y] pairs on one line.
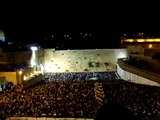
[[34, 22]]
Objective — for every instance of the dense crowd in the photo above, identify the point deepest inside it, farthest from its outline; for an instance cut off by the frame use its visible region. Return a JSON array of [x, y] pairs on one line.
[[142, 100], [142, 64], [54, 99], [82, 76], [76, 95]]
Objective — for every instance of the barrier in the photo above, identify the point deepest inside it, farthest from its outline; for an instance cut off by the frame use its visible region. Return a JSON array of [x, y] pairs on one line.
[[45, 118]]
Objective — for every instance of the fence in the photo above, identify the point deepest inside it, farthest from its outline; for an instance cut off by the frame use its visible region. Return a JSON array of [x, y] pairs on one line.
[[45, 118]]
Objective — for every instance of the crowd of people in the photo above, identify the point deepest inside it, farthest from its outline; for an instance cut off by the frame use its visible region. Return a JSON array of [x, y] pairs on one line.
[[75, 95], [142, 100], [142, 64], [82, 76]]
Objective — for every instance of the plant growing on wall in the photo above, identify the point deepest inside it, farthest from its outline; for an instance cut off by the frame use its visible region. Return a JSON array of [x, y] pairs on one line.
[[85, 69], [106, 64], [97, 64], [90, 64]]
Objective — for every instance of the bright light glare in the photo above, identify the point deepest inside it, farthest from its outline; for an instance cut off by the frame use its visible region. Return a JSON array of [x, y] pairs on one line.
[[31, 75], [150, 46], [33, 57], [24, 78], [20, 72], [122, 55], [142, 40], [33, 48]]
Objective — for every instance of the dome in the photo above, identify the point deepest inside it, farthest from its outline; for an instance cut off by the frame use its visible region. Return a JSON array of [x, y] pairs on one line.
[[2, 37]]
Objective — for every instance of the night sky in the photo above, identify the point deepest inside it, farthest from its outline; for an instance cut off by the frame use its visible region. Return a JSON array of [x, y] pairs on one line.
[[49, 24]]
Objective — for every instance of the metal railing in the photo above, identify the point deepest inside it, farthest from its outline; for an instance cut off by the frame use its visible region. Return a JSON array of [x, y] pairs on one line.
[[46, 118]]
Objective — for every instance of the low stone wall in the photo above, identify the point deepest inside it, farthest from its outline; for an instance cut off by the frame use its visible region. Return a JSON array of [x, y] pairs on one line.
[[136, 75], [32, 81]]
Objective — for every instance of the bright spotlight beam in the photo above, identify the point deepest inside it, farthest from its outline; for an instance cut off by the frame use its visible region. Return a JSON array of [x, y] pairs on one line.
[[33, 57], [33, 48]]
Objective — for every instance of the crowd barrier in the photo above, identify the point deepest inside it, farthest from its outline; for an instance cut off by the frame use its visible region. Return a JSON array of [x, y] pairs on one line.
[[45, 118]]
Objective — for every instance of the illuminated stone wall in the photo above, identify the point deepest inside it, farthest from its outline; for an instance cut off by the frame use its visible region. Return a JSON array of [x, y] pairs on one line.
[[81, 60]]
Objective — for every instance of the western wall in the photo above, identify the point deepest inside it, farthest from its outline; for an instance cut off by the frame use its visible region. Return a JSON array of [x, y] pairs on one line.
[[81, 60]]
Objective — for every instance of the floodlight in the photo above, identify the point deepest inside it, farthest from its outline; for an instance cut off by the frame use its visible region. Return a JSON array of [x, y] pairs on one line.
[[33, 48]]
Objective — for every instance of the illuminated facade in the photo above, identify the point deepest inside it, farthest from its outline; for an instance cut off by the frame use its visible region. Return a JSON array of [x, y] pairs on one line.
[[147, 47], [145, 43], [154, 40], [81, 60]]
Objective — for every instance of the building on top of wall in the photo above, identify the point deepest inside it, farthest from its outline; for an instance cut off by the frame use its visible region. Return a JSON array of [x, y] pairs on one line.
[[142, 46]]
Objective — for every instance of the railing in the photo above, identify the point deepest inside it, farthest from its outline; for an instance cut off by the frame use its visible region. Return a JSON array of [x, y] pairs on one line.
[[45, 118]]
